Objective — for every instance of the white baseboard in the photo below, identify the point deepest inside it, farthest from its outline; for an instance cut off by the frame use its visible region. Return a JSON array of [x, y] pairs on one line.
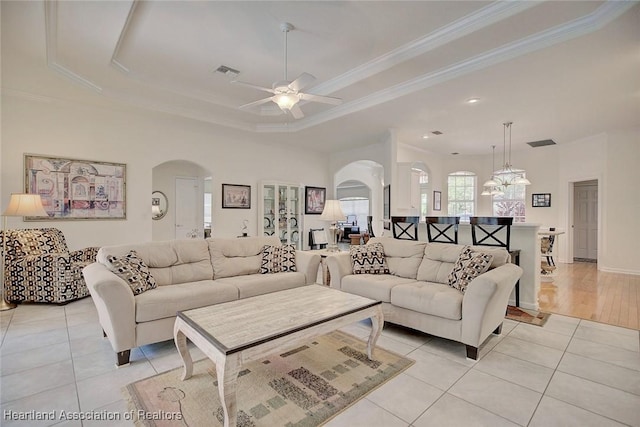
[[618, 270]]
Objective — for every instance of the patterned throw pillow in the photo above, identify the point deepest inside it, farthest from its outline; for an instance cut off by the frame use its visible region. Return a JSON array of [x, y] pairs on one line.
[[278, 259], [368, 259], [468, 266], [132, 270]]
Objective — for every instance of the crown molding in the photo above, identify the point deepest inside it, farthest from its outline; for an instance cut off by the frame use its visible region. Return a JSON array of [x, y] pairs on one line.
[[464, 26], [488, 15], [51, 36], [602, 16]]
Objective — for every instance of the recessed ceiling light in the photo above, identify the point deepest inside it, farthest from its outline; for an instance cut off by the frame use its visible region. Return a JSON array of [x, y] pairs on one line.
[[425, 136], [473, 100]]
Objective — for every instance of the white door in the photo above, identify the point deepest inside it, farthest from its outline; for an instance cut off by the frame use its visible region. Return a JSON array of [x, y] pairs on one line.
[[189, 208], [585, 220]]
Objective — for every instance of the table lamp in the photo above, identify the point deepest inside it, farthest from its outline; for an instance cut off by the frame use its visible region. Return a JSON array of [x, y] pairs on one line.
[[333, 213], [19, 205]]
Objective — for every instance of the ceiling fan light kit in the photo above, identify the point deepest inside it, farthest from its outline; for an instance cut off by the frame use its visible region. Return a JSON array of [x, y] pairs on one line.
[[286, 94]]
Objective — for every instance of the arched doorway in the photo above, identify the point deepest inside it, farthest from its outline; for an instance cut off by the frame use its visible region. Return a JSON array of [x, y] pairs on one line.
[[187, 187], [360, 184]]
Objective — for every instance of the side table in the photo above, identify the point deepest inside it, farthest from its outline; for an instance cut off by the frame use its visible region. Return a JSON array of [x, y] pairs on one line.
[[326, 277]]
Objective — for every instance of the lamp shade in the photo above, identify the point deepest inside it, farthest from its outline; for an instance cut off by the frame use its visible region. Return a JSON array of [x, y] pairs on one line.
[[332, 211], [25, 205]]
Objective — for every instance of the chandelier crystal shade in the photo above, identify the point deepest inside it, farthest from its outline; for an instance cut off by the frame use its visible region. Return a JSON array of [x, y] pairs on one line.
[[508, 175]]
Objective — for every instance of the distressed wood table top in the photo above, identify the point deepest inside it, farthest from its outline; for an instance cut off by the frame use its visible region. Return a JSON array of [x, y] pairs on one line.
[[238, 325]]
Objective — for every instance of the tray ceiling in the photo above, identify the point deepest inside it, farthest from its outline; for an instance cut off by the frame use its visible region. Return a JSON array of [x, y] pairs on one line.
[[560, 70]]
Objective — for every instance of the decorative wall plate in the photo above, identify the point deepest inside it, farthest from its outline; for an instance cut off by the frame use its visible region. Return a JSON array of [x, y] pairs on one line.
[[294, 237], [267, 222]]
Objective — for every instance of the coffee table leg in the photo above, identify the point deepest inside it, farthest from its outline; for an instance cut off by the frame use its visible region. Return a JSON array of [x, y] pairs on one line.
[[181, 343], [227, 370], [377, 323]]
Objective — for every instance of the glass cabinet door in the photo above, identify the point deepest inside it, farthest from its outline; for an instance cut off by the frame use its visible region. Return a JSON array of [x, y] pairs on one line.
[[295, 224], [270, 210], [283, 213]]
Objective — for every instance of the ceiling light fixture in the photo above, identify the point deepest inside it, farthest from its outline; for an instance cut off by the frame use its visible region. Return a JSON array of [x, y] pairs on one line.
[[473, 100], [501, 179], [425, 136]]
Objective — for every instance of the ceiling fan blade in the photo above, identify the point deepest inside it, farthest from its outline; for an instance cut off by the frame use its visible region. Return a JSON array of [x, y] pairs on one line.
[[255, 103], [266, 89], [303, 80], [296, 112], [319, 98]]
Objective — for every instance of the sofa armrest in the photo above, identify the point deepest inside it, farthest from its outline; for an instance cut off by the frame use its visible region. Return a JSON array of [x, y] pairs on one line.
[[485, 302], [339, 266], [116, 305], [308, 263]]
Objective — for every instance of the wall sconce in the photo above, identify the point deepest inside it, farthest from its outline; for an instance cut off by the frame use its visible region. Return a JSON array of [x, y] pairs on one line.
[[159, 205]]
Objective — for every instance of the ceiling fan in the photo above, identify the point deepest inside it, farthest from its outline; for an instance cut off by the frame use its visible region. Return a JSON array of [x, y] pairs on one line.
[[286, 94]]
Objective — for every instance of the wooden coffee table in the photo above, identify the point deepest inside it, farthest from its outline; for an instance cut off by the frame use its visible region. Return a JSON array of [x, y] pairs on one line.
[[237, 332]]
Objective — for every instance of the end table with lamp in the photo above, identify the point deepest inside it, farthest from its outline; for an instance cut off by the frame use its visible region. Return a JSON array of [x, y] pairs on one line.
[[332, 213]]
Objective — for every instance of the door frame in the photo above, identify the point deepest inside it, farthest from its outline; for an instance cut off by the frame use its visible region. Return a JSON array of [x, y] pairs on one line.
[[200, 196], [571, 209]]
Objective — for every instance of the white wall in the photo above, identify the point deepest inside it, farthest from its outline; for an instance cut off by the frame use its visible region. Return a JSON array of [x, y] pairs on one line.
[[142, 141], [371, 174]]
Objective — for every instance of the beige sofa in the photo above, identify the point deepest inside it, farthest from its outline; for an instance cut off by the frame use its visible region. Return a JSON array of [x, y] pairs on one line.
[[189, 274], [416, 293]]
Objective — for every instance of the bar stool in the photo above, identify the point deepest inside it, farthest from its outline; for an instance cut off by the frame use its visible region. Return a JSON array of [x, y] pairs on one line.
[[443, 229], [496, 232], [405, 227]]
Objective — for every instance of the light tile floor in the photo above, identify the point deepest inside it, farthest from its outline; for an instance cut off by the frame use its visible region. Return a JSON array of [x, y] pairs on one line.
[[569, 372]]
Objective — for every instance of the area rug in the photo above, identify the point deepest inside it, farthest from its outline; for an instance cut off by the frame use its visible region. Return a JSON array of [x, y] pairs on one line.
[[305, 386], [527, 316]]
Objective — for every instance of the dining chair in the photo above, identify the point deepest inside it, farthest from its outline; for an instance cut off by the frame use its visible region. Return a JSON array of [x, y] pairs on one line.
[[405, 227], [442, 229], [317, 238], [370, 226]]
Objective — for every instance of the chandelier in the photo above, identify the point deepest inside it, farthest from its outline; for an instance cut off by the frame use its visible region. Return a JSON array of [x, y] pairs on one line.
[[501, 179]]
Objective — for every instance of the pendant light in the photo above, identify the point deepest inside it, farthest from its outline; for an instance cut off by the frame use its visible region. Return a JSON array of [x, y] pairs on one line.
[[506, 176]]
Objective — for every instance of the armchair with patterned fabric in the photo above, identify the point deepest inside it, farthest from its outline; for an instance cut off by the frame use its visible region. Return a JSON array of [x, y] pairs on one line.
[[40, 268]]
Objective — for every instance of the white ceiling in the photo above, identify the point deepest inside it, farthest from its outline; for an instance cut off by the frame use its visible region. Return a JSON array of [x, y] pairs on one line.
[[560, 70]]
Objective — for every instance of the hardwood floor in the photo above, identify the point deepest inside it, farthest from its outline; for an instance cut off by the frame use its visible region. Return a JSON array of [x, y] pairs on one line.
[[580, 290]]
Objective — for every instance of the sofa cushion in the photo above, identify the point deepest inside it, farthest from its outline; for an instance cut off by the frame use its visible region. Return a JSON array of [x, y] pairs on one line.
[[238, 257], [368, 259], [430, 298], [374, 286], [258, 284], [170, 262], [470, 264], [403, 256], [166, 301], [276, 259], [438, 262], [132, 270]]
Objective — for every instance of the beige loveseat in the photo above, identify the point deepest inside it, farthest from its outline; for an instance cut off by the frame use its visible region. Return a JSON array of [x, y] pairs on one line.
[[189, 274], [416, 293]]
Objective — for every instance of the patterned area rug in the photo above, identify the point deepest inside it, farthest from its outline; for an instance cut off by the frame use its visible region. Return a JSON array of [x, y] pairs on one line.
[[305, 386], [527, 316]]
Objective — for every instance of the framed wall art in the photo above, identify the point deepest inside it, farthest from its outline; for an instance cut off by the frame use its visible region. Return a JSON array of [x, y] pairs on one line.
[[541, 200], [437, 201], [236, 196], [73, 189], [314, 199]]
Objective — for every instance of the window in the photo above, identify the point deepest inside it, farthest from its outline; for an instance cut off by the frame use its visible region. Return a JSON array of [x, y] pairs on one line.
[[424, 194], [461, 194], [358, 208], [512, 202]]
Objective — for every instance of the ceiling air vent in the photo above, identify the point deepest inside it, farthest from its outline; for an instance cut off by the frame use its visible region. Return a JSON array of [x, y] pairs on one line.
[[227, 71], [542, 143]]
